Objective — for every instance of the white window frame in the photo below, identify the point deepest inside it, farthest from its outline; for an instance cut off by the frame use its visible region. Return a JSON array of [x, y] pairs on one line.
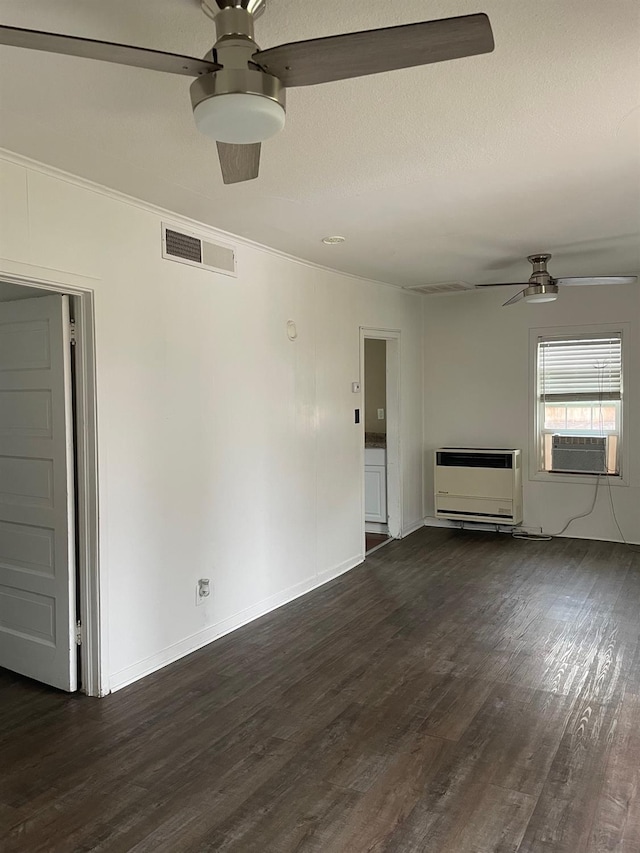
[[535, 428]]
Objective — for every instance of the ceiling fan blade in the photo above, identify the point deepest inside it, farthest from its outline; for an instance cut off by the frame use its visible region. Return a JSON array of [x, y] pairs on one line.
[[514, 299], [239, 162], [323, 60], [140, 57], [506, 284], [597, 279]]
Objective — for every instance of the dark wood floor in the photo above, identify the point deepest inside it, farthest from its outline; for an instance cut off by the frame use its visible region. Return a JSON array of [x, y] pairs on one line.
[[458, 693], [373, 540]]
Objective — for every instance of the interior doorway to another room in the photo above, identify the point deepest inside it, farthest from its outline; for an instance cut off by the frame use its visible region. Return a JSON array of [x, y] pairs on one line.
[[381, 437], [49, 626]]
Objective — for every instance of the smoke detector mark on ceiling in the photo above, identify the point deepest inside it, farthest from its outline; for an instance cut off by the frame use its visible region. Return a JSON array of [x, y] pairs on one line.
[[186, 247]]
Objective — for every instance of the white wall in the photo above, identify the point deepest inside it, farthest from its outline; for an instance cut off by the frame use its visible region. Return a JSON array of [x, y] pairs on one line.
[[188, 363], [476, 363]]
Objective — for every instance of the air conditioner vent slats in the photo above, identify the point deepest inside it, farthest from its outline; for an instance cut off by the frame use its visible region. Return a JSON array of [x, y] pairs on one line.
[[579, 441], [579, 454]]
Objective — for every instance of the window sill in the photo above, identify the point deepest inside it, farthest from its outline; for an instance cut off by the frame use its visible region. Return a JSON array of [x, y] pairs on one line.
[[548, 477]]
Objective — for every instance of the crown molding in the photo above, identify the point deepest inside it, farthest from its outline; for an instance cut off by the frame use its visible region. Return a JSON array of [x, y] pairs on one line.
[[177, 218]]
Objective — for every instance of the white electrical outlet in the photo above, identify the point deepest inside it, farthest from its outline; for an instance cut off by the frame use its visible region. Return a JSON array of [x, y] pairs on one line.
[[203, 591], [380, 414]]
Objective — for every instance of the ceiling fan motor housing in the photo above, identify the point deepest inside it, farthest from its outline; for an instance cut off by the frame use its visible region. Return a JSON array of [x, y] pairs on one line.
[[542, 287], [238, 104]]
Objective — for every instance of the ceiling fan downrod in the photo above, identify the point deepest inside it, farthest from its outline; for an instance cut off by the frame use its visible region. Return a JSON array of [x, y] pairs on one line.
[[253, 7], [540, 274]]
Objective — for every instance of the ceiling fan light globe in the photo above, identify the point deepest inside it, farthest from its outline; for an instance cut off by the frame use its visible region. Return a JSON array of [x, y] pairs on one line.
[[239, 118], [541, 297], [547, 292]]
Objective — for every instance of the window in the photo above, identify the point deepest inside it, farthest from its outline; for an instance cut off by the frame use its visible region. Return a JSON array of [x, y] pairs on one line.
[[579, 393]]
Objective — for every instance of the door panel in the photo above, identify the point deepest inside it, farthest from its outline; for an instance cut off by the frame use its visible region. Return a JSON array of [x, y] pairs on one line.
[[37, 560]]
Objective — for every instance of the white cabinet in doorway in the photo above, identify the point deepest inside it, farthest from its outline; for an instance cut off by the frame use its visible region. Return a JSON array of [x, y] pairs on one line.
[[375, 484]]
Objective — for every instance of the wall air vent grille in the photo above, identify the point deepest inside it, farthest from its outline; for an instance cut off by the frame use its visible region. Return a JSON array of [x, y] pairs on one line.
[[189, 248], [442, 287], [183, 246]]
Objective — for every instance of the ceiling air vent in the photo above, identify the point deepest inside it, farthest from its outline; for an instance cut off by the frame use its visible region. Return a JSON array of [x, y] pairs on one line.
[[442, 287], [189, 248]]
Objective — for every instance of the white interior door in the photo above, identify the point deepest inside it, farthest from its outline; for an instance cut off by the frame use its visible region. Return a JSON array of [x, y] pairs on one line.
[[37, 544]]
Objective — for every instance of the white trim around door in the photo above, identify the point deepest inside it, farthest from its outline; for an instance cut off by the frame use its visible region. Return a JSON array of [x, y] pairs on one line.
[[93, 648]]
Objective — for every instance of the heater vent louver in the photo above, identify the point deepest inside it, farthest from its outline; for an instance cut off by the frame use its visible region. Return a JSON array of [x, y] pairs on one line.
[[190, 248]]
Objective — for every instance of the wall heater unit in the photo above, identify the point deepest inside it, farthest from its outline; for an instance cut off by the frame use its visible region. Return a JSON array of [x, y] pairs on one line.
[[584, 454], [478, 484]]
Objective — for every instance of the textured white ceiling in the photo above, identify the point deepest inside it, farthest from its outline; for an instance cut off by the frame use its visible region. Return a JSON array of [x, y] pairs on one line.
[[453, 171]]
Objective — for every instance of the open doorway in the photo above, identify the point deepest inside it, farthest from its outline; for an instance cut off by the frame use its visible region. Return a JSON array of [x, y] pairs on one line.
[[49, 626], [381, 437]]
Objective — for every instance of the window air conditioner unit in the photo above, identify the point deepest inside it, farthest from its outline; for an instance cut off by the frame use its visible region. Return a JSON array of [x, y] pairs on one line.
[[478, 484], [583, 454]]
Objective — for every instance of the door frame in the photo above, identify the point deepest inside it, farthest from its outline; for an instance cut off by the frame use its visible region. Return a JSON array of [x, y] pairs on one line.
[[394, 439], [93, 649]]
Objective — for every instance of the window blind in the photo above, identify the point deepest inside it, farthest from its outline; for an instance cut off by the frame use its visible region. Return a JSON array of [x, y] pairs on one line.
[[580, 370]]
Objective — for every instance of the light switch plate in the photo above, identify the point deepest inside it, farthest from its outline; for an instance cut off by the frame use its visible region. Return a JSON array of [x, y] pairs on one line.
[[355, 387]]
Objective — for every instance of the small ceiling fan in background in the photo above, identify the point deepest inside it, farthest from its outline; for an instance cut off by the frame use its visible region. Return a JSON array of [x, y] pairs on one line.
[[542, 287], [238, 96]]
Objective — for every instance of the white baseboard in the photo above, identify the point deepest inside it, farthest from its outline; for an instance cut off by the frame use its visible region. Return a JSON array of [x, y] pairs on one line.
[[196, 641], [375, 527], [329, 574], [411, 528]]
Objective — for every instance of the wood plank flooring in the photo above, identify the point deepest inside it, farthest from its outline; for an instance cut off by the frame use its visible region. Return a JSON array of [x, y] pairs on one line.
[[373, 540], [458, 693]]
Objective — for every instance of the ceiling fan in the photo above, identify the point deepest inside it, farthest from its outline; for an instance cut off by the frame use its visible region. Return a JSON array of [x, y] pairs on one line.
[[542, 287], [238, 96]]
